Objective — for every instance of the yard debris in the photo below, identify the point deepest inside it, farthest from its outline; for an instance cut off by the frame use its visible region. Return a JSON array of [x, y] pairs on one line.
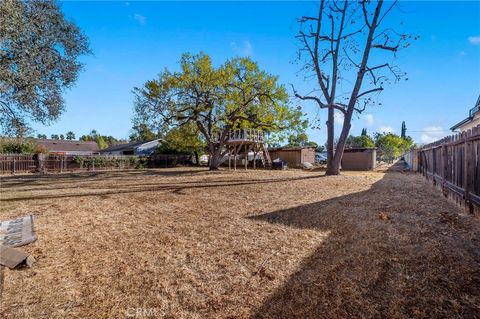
[[307, 166], [13, 258], [17, 232], [261, 272], [383, 216]]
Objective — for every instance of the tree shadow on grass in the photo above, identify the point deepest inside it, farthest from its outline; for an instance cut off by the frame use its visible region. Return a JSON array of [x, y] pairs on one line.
[[391, 253], [73, 177], [174, 187]]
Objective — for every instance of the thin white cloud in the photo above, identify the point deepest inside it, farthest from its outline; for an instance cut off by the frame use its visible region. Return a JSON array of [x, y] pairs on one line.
[[474, 39], [432, 133], [245, 49], [141, 19], [369, 119], [338, 118], [386, 129]]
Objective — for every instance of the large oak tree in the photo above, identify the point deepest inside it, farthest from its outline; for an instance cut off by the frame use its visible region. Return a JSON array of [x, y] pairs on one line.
[[216, 100], [39, 52]]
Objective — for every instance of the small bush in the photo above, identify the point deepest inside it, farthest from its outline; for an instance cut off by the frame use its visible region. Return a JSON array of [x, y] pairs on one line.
[[17, 147]]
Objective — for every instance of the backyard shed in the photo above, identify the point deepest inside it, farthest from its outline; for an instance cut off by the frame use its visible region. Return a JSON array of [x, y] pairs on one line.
[[295, 156], [359, 159]]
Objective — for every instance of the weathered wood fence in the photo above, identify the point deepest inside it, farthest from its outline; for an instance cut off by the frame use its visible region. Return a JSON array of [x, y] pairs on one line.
[[35, 163], [453, 165]]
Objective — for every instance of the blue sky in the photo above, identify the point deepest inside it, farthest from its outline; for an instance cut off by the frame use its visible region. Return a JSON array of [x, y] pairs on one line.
[[132, 41]]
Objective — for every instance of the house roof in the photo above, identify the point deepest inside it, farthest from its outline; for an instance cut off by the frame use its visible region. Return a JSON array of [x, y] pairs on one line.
[[296, 148], [471, 114], [127, 146], [67, 145]]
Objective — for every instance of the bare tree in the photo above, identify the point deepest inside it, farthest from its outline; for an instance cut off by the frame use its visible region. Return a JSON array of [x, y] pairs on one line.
[[336, 51]]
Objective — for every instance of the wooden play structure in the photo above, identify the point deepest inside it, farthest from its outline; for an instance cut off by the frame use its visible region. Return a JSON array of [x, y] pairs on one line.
[[244, 141]]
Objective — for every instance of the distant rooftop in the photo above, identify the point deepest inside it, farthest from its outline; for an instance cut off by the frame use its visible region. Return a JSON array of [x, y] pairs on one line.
[[67, 145], [288, 148], [126, 146], [471, 114]]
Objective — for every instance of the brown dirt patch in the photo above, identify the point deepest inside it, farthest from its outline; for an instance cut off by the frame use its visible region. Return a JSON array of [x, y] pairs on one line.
[[187, 243]]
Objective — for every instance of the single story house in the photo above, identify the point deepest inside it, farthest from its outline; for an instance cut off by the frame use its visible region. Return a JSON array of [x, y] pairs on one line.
[[295, 156], [471, 121], [359, 159], [68, 147], [145, 148]]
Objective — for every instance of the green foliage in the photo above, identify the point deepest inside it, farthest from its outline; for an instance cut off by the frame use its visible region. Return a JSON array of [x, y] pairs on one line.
[[54, 137], [106, 162], [20, 146], [362, 141], [297, 139], [103, 141], [142, 132], [235, 95], [391, 146], [70, 135], [184, 139], [16, 147], [364, 132], [39, 52], [301, 139], [42, 136]]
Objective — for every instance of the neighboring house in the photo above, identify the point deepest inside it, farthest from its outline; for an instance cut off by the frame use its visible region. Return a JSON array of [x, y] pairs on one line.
[[471, 121], [67, 147], [144, 148], [295, 156]]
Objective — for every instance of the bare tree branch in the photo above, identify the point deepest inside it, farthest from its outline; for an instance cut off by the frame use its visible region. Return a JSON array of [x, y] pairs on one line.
[[369, 91]]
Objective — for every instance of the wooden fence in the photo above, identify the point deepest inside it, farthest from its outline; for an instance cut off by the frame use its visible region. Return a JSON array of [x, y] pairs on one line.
[[36, 163], [12, 163], [453, 165]]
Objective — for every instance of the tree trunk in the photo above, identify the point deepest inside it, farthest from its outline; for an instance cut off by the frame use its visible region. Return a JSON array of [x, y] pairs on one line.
[[215, 159], [330, 138], [197, 158]]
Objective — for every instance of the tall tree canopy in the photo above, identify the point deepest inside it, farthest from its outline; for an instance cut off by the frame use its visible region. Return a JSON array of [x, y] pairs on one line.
[[39, 52], [391, 146], [234, 95], [362, 141], [103, 141], [142, 132], [347, 49]]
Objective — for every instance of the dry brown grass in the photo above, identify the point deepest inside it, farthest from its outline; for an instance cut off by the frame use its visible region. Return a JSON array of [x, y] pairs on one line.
[[187, 243]]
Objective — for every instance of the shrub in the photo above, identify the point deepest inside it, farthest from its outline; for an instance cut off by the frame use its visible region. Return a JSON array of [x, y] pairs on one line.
[[17, 147]]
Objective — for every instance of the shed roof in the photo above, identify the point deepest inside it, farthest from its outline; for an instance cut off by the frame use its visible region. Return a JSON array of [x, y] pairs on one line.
[[296, 148]]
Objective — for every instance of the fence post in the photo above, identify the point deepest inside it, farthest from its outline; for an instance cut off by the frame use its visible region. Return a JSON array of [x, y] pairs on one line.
[[445, 167], [13, 168], [467, 168]]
